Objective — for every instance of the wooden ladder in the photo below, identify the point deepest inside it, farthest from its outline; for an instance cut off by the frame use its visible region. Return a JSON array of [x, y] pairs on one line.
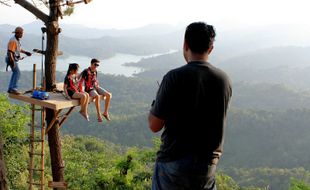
[[36, 141]]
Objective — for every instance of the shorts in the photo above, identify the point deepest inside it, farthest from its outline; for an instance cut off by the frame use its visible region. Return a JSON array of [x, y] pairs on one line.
[[98, 91], [70, 92], [185, 174]]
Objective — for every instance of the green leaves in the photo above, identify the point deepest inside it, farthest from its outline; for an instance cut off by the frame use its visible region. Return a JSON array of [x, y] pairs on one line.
[[298, 185], [13, 120]]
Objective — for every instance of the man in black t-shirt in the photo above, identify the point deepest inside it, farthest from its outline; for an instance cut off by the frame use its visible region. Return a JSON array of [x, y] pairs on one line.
[[191, 106]]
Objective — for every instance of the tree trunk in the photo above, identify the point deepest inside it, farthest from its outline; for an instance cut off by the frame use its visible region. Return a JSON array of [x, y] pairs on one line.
[[52, 32], [3, 181], [50, 76]]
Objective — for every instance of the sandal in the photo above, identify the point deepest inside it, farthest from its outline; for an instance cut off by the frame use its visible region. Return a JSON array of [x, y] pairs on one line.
[[99, 119], [106, 116]]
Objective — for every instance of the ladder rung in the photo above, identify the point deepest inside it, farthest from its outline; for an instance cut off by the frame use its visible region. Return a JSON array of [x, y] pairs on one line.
[[54, 184], [35, 183], [33, 169], [38, 109], [37, 154], [36, 126], [36, 140]]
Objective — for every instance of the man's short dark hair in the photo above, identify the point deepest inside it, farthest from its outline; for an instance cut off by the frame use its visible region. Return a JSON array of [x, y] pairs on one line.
[[94, 60], [199, 37]]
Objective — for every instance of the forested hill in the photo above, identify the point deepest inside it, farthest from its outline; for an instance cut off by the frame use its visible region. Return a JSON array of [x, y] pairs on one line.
[[255, 138], [267, 109]]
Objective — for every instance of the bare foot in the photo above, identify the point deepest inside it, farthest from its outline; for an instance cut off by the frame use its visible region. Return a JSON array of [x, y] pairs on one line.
[[106, 116], [85, 115]]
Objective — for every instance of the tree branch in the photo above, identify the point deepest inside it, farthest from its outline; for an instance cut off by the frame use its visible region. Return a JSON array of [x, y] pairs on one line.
[[4, 3], [38, 13]]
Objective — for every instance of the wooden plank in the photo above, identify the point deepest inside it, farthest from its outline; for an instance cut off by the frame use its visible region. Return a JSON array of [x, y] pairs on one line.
[[54, 184], [56, 101]]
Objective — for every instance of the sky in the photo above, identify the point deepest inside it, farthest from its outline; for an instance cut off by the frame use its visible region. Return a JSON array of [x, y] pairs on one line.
[[125, 14]]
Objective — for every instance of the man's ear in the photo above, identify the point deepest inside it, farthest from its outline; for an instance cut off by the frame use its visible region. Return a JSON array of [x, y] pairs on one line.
[[185, 51], [210, 49], [185, 46]]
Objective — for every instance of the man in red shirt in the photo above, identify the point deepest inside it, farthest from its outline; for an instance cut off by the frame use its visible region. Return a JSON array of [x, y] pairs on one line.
[[94, 90]]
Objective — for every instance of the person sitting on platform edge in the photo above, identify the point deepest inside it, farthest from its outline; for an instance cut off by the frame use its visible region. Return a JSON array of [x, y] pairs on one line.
[[192, 141], [13, 56], [73, 89], [91, 83]]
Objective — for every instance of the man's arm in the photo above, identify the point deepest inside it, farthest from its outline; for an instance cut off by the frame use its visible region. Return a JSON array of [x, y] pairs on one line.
[[26, 52], [155, 123], [66, 92], [11, 56]]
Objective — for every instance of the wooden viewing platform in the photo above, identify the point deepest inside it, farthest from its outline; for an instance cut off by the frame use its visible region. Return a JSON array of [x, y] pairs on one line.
[[56, 101]]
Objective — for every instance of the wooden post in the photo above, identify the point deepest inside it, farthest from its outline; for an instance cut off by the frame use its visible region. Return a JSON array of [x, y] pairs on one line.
[[42, 146], [31, 145], [34, 79], [43, 84]]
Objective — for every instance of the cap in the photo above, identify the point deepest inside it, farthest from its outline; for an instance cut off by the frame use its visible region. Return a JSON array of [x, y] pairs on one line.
[[18, 29]]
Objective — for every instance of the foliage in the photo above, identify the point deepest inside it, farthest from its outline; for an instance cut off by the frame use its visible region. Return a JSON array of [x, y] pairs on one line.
[[273, 178], [13, 119], [298, 185], [95, 164], [225, 182], [258, 138]]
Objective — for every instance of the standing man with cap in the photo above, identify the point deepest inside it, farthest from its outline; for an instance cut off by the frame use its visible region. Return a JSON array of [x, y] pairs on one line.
[[13, 56], [192, 140], [92, 87]]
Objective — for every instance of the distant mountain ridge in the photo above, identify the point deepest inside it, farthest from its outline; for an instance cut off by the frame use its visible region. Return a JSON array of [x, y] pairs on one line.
[[246, 54], [135, 42], [83, 32]]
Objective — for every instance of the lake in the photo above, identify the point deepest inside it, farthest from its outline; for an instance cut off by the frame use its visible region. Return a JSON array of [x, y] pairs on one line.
[[114, 65]]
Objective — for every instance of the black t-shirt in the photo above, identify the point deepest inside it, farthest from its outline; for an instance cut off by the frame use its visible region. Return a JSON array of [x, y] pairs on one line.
[[193, 101]]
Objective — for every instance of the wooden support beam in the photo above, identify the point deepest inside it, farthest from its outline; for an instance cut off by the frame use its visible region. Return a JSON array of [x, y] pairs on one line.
[[53, 121], [65, 117]]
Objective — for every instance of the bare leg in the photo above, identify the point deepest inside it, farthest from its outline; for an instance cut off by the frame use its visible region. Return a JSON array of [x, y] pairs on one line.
[[86, 102], [83, 97], [108, 97], [97, 103]]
